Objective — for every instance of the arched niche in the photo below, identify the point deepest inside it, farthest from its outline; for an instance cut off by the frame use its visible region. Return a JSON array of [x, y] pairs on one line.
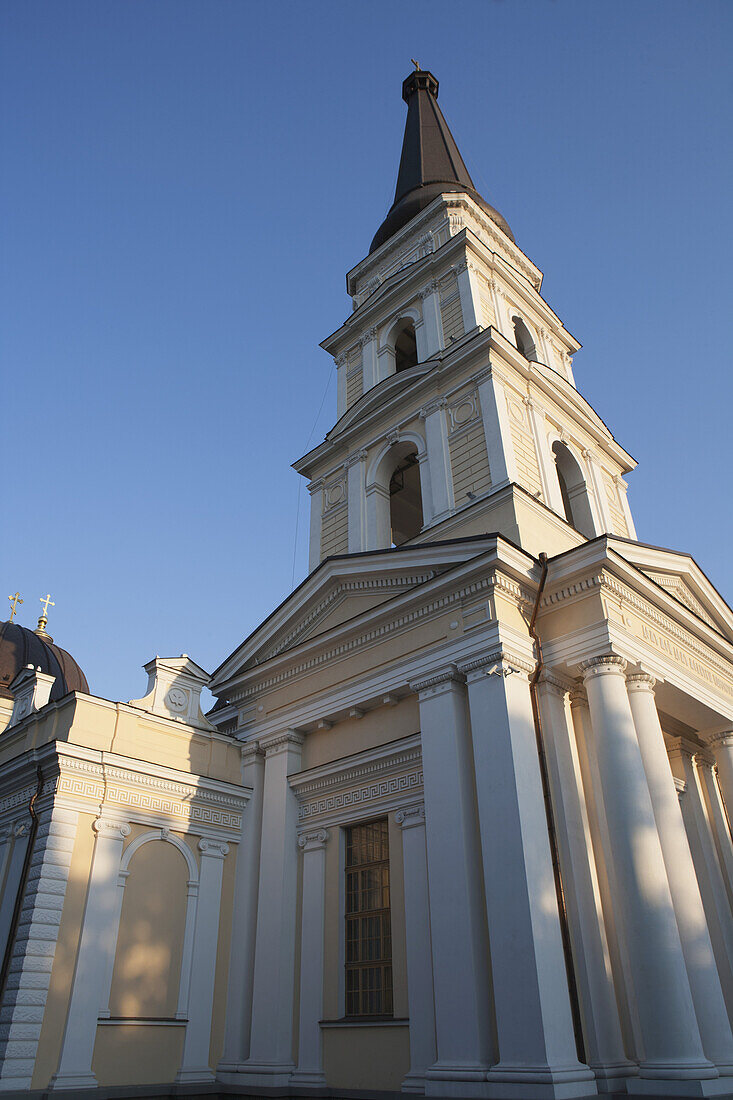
[[397, 494], [402, 344], [573, 490]]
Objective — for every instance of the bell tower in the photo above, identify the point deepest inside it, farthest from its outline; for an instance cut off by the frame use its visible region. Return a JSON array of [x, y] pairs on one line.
[[458, 413]]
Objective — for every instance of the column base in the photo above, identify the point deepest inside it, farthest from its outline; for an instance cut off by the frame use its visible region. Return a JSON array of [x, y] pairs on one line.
[[612, 1076], [308, 1078], [61, 1081], [541, 1082], [269, 1074], [195, 1075], [414, 1082], [663, 1086], [464, 1079]]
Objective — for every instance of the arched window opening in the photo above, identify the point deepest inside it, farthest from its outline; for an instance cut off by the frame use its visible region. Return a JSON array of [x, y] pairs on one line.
[[405, 500], [573, 491], [523, 340], [405, 348]]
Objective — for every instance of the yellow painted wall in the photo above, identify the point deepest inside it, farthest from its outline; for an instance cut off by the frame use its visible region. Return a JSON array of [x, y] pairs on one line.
[[147, 967], [377, 727], [130, 1054]]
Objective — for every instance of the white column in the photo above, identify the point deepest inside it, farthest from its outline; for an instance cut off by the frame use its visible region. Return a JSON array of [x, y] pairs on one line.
[[432, 321], [671, 1038], [97, 943], [195, 1061], [601, 1025], [702, 972], [708, 773], [271, 1047], [497, 429], [602, 851], [316, 522], [468, 288], [537, 1052], [707, 868], [436, 440], [356, 496], [369, 362], [244, 920], [378, 530], [722, 748], [310, 1049], [419, 961], [341, 368], [457, 921], [545, 459]]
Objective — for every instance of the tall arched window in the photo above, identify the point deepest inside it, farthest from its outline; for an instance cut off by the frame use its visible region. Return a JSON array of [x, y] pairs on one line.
[[523, 340], [405, 348], [405, 499], [573, 490]]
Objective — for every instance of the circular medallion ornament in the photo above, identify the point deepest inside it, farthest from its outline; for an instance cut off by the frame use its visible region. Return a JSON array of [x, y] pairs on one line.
[[176, 700]]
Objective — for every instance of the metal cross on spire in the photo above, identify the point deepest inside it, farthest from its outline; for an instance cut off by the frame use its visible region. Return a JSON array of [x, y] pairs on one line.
[[14, 601], [46, 600], [416, 64]]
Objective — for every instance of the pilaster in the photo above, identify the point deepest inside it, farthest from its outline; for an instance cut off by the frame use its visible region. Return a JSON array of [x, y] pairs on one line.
[[545, 459], [244, 920], [271, 1048], [432, 321], [356, 496], [195, 1061], [497, 429], [316, 523], [468, 288], [411, 820], [457, 920], [436, 438], [309, 1070], [97, 943]]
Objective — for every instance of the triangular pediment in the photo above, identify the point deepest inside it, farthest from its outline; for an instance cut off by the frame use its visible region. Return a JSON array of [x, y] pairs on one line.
[[341, 589], [680, 576]]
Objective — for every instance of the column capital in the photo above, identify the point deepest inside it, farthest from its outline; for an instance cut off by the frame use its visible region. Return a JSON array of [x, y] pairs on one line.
[[720, 740], [641, 681], [356, 456], [498, 662], [213, 849], [341, 359], [368, 335], [275, 743], [250, 751], [606, 665], [314, 486], [432, 406], [558, 684], [446, 679], [111, 828], [428, 289], [409, 817], [578, 697], [313, 842]]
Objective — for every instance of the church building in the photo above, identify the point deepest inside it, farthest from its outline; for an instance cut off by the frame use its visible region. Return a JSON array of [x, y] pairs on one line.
[[460, 821]]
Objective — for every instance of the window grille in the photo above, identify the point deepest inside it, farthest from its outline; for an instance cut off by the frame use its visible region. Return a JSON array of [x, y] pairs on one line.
[[368, 925]]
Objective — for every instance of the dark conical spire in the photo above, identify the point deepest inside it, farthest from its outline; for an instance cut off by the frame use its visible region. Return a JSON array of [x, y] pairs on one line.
[[430, 163]]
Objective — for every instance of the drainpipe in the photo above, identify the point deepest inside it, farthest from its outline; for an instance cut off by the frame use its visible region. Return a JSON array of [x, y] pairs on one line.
[[552, 832], [13, 930]]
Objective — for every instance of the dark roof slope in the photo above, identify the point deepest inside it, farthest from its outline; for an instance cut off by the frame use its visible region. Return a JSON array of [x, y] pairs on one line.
[[20, 646], [430, 163]]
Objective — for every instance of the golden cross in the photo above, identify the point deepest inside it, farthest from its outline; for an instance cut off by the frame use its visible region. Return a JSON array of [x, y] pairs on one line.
[[46, 600], [416, 64], [14, 600]]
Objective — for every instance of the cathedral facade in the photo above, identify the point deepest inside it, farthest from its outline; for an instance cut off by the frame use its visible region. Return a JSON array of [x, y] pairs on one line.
[[460, 821]]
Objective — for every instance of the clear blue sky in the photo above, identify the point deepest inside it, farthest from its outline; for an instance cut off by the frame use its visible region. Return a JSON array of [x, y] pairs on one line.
[[185, 184]]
